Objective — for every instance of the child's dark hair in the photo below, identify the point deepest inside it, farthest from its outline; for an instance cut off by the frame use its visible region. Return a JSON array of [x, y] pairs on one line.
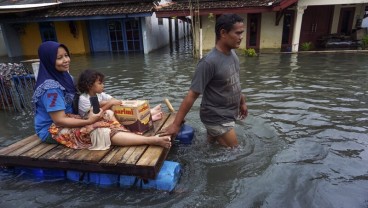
[[226, 22], [87, 78]]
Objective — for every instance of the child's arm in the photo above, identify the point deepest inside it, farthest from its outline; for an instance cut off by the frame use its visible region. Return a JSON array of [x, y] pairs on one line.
[[107, 104]]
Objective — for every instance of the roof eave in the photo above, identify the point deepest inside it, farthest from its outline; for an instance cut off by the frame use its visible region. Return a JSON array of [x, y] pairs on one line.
[[284, 4], [26, 7], [202, 12], [78, 18]]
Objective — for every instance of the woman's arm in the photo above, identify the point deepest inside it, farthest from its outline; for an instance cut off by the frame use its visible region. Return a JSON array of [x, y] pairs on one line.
[[60, 119]]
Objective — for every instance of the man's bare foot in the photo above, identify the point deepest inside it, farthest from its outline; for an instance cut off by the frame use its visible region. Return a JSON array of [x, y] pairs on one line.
[[156, 109], [157, 116], [164, 141]]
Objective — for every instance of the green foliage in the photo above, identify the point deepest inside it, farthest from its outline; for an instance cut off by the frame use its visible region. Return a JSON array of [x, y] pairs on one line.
[[249, 52], [307, 46], [211, 16], [365, 42]]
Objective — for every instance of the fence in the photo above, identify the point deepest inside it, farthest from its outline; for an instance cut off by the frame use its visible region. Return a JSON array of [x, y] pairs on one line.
[[16, 86]]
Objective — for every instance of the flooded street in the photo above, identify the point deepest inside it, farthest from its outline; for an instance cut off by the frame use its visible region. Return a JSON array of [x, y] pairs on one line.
[[304, 143]]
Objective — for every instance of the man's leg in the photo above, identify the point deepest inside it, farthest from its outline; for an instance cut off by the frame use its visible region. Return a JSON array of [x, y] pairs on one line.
[[211, 139], [229, 139]]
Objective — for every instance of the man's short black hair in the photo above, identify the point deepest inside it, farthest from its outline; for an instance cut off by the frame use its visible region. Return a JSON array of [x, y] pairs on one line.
[[226, 22]]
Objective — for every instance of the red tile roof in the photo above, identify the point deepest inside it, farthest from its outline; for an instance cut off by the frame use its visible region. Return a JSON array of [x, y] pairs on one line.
[[79, 11], [96, 10], [25, 2], [182, 7]]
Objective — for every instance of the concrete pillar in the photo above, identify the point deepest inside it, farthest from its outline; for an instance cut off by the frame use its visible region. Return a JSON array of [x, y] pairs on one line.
[[297, 28]]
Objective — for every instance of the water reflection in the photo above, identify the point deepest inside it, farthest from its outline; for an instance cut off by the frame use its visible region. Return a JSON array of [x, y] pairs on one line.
[[303, 144]]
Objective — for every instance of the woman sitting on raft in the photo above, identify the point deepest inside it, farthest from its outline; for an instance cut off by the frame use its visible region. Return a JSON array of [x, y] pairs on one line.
[[54, 118]]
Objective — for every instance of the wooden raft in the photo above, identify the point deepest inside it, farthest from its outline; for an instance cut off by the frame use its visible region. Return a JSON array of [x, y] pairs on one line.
[[144, 161]]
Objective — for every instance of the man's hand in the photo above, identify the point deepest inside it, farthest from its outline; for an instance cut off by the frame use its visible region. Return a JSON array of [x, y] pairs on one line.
[[243, 113], [171, 130]]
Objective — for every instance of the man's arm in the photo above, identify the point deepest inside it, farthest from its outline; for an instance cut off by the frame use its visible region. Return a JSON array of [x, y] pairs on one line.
[[185, 106], [243, 107]]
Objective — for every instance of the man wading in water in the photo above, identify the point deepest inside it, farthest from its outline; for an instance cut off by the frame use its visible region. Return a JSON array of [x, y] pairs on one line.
[[217, 79]]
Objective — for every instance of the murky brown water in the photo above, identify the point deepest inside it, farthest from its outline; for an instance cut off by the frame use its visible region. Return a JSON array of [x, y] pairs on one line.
[[304, 143]]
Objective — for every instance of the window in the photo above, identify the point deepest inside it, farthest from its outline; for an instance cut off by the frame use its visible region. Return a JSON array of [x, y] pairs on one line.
[[47, 30], [116, 36], [133, 34], [125, 35]]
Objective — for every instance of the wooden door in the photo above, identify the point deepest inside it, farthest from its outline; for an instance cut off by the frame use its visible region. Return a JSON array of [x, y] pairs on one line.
[[346, 20], [287, 31], [316, 23]]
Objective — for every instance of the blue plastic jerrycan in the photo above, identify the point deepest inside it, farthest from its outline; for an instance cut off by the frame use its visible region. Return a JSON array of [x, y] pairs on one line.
[[185, 135]]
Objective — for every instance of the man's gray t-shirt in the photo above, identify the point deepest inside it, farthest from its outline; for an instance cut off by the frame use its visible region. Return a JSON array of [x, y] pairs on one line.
[[217, 79]]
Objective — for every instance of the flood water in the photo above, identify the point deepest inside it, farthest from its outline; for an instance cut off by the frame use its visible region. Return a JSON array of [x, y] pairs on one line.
[[304, 143]]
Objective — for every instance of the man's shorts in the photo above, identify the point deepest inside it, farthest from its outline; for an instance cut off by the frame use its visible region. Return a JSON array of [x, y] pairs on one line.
[[218, 130]]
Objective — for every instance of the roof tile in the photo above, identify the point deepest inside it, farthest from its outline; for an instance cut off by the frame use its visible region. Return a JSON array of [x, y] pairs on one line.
[[216, 4]]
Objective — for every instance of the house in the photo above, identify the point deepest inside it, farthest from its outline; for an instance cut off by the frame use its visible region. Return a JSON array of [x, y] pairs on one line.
[[2, 45], [86, 26], [281, 25]]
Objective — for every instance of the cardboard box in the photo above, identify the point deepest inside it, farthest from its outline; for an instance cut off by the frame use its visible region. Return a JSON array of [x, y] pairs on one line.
[[135, 115]]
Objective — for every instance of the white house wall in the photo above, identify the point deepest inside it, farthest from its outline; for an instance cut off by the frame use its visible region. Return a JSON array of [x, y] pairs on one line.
[[270, 37], [209, 34], [156, 36], [359, 13], [271, 34]]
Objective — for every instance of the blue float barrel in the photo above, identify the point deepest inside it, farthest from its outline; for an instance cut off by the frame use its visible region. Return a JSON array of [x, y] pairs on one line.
[[185, 135], [104, 179], [40, 173], [78, 176], [166, 180]]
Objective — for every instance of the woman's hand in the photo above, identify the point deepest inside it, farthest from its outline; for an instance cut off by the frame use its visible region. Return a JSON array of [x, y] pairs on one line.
[[92, 117]]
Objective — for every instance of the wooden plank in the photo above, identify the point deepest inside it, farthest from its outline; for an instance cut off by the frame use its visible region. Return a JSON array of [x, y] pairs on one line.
[[58, 153], [25, 148], [150, 156], [21, 143], [138, 152], [158, 124], [127, 154], [77, 155], [114, 156], [169, 121], [144, 161], [153, 153], [39, 150], [95, 155]]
